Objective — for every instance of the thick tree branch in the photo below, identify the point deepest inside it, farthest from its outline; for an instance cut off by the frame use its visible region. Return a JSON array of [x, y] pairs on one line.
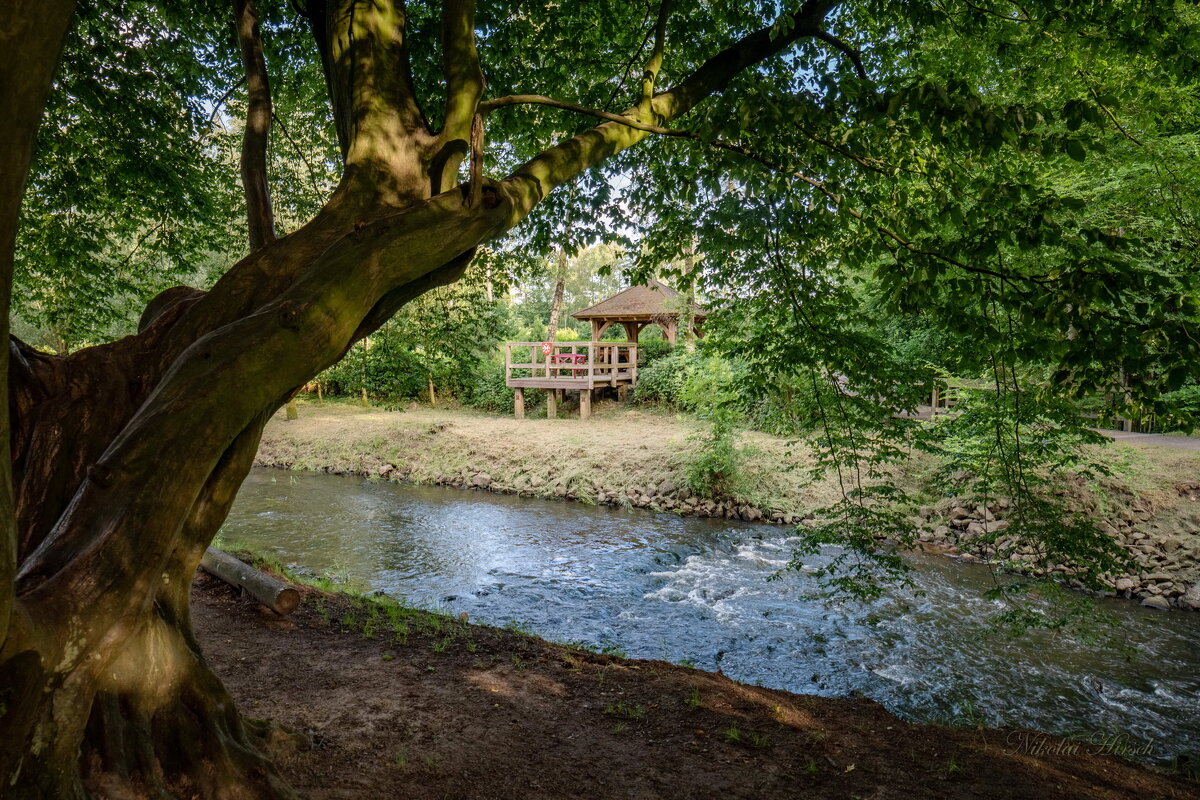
[[111, 542], [464, 87], [460, 67], [382, 130], [475, 194], [260, 215], [716, 73], [537, 99], [488, 106]]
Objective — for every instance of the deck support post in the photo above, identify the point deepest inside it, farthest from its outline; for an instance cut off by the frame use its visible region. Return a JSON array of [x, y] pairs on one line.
[[551, 404], [519, 403], [585, 403]]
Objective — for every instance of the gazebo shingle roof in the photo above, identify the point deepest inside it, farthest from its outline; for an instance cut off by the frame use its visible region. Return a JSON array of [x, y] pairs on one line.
[[644, 302]]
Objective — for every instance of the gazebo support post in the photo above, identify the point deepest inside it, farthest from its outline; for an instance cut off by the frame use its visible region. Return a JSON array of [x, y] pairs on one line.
[[551, 404], [585, 403], [519, 403]]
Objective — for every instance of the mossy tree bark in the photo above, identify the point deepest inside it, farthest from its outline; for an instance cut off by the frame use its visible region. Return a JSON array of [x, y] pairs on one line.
[[127, 456]]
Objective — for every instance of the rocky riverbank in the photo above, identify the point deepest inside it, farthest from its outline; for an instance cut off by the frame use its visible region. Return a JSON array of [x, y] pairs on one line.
[[1164, 546], [636, 459]]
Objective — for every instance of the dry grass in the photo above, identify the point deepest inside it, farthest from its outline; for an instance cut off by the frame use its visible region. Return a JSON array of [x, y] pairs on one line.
[[618, 448]]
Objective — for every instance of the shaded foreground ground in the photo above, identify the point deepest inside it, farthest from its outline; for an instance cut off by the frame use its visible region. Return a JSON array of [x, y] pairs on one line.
[[431, 707]]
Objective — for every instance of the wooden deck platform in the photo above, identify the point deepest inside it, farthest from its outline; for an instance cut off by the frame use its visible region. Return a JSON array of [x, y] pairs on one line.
[[567, 366]]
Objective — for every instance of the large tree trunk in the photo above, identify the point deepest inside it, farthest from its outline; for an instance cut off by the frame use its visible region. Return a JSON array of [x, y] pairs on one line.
[[126, 457]]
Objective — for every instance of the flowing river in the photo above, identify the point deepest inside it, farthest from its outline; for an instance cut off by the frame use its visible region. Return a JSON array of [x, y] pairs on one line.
[[696, 590]]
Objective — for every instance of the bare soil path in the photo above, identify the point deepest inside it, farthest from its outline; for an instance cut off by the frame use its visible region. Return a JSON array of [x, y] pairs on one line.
[[1156, 439]]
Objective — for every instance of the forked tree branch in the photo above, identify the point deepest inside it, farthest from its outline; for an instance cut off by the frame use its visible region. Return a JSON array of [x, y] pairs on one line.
[[260, 214], [464, 88]]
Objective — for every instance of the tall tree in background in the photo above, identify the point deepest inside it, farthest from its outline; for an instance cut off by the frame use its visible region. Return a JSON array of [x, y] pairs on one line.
[[560, 281], [127, 456]]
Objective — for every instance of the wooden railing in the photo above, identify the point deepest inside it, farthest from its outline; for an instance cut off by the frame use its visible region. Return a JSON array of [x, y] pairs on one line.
[[595, 362]]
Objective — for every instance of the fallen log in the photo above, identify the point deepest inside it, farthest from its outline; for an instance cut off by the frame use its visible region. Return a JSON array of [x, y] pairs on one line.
[[271, 592]]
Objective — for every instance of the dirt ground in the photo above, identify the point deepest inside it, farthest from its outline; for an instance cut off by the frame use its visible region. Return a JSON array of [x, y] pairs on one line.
[[399, 703]]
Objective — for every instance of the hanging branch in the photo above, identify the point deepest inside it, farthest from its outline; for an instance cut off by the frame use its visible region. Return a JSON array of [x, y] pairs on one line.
[[260, 215]]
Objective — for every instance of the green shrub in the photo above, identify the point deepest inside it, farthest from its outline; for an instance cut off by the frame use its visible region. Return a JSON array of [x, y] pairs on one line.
[[651, 350], [387, 373], [487, 391], [1182, 409], [661, 383], [709, 388], [786, 408]]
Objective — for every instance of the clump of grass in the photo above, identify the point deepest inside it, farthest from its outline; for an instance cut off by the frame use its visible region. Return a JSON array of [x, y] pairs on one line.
[[732, 734], [322, 610], [693, 698], [969, 715], [516, 626], [759, 741], [628, 711], [613, 649]]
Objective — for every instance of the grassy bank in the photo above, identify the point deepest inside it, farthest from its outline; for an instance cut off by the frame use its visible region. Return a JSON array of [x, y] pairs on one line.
[[638, 457], [619, 455], [394, 702]]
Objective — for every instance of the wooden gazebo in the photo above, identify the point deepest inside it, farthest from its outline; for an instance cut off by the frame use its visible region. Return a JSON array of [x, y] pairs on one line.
[[634, 308], [583, 367]]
